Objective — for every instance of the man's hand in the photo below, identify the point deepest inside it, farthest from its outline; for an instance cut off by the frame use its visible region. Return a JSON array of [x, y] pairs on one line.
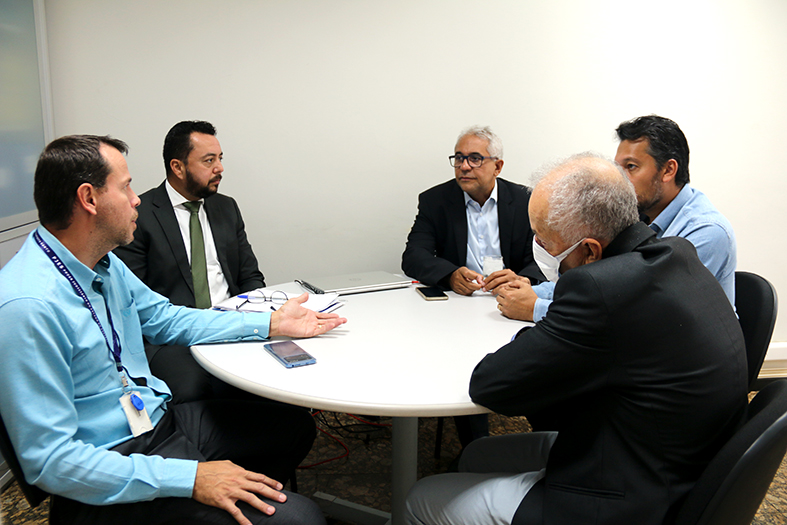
[[294, 320], [222, 483], [499, 278], [462, 281], [516, 299]]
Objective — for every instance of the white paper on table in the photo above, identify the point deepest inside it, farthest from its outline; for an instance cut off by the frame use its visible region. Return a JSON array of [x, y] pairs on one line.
[[316, 302]]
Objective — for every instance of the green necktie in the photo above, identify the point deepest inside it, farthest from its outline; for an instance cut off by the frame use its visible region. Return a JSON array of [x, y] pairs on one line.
[[199, 266]]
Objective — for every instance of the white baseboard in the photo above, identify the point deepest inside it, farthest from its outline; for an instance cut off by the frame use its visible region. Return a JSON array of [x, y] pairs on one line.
[[775, 364], [776, 351]]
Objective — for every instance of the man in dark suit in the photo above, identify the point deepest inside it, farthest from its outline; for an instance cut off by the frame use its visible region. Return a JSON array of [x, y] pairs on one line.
[[160, 254], [637, 374], [464, 220]]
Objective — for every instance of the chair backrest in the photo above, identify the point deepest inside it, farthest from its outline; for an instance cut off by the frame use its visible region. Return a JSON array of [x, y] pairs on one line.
[[734, 484], [33, 494], [757, 306]]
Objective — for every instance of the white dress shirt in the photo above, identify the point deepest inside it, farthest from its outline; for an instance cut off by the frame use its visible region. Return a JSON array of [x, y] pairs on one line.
[[219, 289]]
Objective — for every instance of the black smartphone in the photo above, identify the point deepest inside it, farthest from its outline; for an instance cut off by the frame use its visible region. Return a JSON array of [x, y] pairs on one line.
[[432, 293], [289, 354]]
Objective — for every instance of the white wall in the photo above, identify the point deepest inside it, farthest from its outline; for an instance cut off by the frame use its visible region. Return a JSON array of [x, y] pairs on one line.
[[333, 116]]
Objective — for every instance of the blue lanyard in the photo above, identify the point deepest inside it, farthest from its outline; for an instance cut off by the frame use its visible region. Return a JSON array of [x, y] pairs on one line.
[[115, 347]]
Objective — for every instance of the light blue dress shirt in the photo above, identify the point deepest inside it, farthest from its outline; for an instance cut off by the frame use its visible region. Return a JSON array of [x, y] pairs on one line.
[[483, 231], [692, 216], [60, 388]]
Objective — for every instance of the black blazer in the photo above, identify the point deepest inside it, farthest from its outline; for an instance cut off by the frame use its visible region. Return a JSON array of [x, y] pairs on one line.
[[437, 243], [158, 257], [640, 366]]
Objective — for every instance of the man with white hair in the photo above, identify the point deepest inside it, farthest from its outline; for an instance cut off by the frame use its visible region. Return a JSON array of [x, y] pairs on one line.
[[463, 221], [633, 380]]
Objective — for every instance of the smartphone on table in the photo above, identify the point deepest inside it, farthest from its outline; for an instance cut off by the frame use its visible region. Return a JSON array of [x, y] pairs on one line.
[[431, 293], [289, 354]]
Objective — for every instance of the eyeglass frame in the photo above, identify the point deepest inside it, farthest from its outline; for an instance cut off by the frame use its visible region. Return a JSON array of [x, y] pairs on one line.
[[265, 298], [452, 160]]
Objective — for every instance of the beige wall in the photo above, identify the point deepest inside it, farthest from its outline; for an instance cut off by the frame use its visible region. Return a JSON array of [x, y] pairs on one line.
[[333, 116]]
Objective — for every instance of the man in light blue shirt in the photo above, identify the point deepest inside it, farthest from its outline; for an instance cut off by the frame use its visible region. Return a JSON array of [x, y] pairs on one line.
[[654, 153], [76, 392]]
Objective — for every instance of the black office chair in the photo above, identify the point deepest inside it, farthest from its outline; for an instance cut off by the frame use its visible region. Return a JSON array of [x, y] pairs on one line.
[[757, 306], [734, 484], [35, 496]]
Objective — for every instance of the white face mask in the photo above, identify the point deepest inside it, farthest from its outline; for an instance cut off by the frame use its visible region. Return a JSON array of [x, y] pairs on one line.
[[548, 263]]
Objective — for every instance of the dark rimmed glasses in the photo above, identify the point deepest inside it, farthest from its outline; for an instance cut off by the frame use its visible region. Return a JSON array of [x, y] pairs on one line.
[[474, 160]]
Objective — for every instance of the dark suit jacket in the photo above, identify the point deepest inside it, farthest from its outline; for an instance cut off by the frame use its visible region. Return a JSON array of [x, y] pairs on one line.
[[157, 255], [640, 366], [437, 244]]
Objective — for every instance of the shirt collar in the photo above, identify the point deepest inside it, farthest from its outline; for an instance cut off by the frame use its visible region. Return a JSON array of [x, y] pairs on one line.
[[174, 197], [84, 275], [492, 196], [668, 214]]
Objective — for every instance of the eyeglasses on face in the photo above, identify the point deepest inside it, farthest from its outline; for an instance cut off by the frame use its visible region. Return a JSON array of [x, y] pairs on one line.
[[474, 160]]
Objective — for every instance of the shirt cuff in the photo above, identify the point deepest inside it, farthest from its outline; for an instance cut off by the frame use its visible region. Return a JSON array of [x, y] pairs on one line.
[[540, 309], [180, 475], [257, 325], [545, 290]]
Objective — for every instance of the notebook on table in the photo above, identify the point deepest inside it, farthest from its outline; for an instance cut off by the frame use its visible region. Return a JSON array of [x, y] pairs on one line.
[[360, 282]]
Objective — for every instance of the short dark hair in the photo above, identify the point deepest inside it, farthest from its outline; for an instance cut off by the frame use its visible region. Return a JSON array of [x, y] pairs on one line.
[[65, 164], [177, 143], [665, 141]]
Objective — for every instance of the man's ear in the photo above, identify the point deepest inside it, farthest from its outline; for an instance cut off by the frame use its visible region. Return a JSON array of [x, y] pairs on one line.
[[592, 250], [669, 170], [86, 198], [178, 168], [498, 166]]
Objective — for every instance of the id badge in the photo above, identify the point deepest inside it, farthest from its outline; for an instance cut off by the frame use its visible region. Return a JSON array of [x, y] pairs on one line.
[[136, 413]]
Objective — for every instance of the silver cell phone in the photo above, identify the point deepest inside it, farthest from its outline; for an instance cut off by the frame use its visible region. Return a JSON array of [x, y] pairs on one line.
[[289, 354], [432, 293]]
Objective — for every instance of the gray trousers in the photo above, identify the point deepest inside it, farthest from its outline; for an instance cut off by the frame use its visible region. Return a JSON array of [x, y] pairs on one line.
[[495, 474]]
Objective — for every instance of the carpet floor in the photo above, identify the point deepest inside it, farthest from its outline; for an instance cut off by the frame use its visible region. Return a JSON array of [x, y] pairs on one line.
[[363, 474]]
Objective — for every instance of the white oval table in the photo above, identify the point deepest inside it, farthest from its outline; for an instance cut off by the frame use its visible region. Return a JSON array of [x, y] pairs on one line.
[[398, 355]]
